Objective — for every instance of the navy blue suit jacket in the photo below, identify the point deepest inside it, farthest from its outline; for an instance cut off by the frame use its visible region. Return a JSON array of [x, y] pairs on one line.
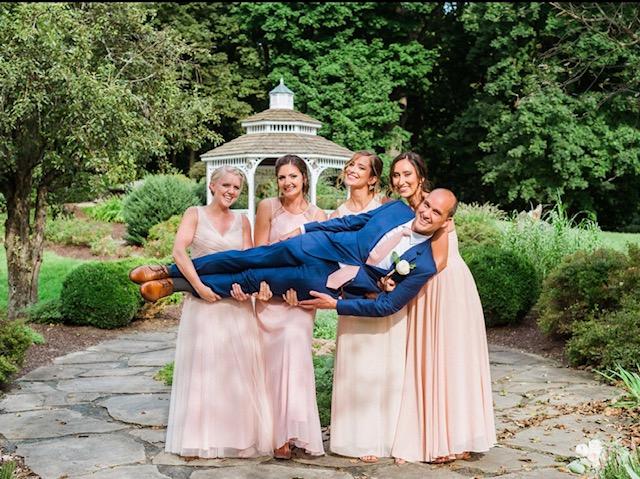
[[350, 239]]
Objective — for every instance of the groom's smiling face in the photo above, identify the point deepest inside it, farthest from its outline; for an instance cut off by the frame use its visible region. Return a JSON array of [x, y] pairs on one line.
[[433, 212]]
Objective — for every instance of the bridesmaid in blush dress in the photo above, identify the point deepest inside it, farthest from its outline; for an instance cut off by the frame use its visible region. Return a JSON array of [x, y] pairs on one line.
[[286, 331], [447, 408], [219, 404], [370, 352]]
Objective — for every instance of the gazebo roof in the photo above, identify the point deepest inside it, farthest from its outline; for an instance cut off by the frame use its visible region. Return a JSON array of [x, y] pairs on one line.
[[281, 114], [270, 144], [281, 88]]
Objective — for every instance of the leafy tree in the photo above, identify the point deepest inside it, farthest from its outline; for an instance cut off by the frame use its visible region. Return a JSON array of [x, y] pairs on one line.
[[87, 91], [550, 106], [353, 66], [225, 62]]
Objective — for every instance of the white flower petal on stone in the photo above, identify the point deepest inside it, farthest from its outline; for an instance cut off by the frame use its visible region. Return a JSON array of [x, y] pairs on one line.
[[594, 458], [595, 445], [403, 267], [582, 450]]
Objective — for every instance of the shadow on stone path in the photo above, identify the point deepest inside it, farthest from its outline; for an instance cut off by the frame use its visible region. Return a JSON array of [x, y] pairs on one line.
[[100, 414]]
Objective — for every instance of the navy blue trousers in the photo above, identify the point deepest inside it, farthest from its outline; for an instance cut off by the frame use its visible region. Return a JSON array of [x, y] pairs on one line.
[[283, 265]]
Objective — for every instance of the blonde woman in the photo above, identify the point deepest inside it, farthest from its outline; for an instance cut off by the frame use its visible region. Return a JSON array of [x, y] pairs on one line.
[[219, 404]]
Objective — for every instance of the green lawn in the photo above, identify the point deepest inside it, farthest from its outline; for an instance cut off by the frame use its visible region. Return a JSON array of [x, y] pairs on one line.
[[52, 273], [619, 240]]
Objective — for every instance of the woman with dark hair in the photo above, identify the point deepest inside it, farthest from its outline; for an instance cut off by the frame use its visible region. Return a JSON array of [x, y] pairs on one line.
[[446, 408], [286, 331]]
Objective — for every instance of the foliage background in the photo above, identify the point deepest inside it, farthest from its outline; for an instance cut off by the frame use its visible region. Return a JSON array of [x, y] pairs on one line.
[[514, 104]]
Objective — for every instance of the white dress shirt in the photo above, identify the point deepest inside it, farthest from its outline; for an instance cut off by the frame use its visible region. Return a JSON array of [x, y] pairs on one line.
[[406, 242]]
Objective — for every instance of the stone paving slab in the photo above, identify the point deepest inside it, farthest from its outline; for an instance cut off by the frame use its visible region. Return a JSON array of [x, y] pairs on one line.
[[54, 458], [113, 385], [143, 409], [130, 346], [152, 436], [52, 423], [502, 460], [99, 414], [269, 472], [125, 472], [559, 436], [153, 358], [85, 357], [167, 459]]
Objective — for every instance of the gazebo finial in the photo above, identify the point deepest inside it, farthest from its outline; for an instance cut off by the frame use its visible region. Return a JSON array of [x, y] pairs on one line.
[[281, 97]]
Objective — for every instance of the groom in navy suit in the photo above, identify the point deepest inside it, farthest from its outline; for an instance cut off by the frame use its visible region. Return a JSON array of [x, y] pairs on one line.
[[335, 262]]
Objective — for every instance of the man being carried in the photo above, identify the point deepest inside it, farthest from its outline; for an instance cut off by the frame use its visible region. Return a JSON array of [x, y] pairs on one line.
[[334, 265]]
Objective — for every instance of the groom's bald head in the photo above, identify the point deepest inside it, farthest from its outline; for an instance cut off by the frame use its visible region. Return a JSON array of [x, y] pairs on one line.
[[435, 210]]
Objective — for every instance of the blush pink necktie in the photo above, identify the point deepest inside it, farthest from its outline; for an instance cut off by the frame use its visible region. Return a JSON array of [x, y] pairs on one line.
[[378, 253], [341, 276], [383, 248]]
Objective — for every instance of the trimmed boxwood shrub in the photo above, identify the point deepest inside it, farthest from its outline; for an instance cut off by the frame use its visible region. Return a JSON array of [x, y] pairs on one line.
[[577, 288], [477, 224], [15, 339], [606, 340], [159, 243], [508, 284], [157, 199], [100, 294], [45, 312]]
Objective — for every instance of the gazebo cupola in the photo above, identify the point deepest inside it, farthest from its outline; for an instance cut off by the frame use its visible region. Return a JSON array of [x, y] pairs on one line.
[[272, 133]]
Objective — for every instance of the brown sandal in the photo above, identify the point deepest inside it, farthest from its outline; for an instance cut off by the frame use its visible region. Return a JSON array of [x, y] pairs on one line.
[[369, 459], [283, 452]]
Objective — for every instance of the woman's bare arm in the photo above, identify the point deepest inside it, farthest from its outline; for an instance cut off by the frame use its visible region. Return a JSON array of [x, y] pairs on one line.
[[263, 223], [184, 238]]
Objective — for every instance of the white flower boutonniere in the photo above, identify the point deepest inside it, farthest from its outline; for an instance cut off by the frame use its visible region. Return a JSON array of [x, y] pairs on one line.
[[403, 267]]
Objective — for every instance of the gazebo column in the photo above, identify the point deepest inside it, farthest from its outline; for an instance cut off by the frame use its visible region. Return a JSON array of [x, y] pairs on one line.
[[250, 172], [315, 170], [209, 171]]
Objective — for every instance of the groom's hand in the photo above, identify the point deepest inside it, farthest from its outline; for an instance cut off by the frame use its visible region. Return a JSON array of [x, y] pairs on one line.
[[290, 234], [322, 301]]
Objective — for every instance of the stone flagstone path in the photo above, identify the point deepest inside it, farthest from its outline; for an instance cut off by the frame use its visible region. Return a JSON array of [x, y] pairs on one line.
[[99, 414]]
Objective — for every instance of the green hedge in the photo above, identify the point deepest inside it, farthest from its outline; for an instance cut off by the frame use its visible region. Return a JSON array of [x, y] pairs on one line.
[[15, 339], [508, 284], [577, 288], [100, 294], [159, 243], [606, 340]]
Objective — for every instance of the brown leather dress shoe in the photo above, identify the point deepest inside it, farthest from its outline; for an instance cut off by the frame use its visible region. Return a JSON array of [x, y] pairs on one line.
[[156, 289], [148, 272]]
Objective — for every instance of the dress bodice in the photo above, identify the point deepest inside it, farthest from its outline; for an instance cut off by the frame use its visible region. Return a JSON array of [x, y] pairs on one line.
[[372, 205], [282, 221], [207, 239]]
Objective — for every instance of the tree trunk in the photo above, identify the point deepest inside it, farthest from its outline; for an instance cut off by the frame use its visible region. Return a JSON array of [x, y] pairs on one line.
[[24, 236]]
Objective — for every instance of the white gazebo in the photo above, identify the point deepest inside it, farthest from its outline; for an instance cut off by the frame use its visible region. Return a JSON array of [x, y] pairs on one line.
[[272, 133]]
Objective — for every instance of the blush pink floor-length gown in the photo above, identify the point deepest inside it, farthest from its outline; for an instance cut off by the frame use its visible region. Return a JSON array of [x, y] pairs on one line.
[[367, 379], [286, 333], [219, 405], [447, 404]]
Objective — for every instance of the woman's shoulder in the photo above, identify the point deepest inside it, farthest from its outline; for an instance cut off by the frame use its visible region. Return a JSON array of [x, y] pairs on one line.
[[268, 206]]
